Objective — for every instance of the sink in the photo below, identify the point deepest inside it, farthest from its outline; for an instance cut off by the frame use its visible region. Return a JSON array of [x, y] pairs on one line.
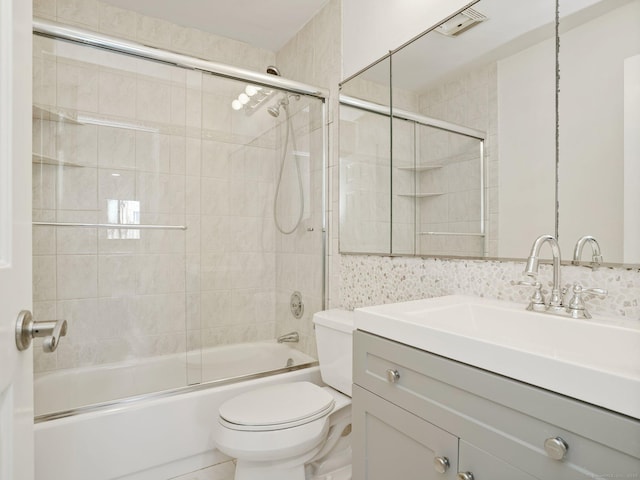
[[596, 360]]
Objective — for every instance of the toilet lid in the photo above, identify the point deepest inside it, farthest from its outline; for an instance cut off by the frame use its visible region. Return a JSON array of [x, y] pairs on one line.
[[277, 406]]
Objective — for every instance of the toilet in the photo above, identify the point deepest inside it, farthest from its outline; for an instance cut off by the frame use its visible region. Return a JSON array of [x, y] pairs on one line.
[[297, 430]]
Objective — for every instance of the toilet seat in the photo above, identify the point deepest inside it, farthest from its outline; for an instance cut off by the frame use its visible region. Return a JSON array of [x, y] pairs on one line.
[[276, 407]]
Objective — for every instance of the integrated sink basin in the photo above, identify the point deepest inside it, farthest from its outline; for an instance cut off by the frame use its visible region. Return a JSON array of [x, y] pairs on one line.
[[596, 360]]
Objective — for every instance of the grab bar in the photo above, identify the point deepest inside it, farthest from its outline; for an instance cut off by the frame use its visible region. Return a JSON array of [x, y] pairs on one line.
[[113, 225]]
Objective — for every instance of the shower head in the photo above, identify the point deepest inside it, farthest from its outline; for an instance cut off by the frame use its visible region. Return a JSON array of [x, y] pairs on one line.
[[274, 110], [273, 70]]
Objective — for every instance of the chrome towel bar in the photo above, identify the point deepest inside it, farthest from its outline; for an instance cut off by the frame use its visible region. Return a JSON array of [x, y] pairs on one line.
[[112, 225]]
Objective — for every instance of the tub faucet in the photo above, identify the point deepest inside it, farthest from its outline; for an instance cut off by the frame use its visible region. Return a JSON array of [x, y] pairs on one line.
[[292, 337], [555, 302], [596, 257]]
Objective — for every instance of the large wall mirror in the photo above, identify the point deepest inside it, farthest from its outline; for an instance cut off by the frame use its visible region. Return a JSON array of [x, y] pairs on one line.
[[470, 110]]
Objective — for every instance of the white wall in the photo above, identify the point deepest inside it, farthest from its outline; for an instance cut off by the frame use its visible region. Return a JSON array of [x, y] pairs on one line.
[[373, 27], [526, 146], [592, 127]]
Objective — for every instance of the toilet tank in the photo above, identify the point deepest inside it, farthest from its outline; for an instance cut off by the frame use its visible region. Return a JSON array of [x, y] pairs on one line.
[[334, 332]]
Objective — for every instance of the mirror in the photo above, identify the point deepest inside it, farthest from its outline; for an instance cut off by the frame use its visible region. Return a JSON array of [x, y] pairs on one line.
[[599, 112], [493, 70], [365, 162]]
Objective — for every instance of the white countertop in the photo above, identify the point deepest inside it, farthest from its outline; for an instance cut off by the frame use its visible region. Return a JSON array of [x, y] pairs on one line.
[[596, 360]]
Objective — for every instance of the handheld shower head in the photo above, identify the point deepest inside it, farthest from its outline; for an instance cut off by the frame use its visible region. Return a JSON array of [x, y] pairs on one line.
[[274, 110]]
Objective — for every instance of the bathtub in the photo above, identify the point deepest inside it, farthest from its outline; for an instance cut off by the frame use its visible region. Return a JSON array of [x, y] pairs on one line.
[[60, 391], [155, 436]]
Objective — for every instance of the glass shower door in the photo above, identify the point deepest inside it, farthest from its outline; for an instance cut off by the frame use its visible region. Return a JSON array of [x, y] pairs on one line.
[[110, 214]]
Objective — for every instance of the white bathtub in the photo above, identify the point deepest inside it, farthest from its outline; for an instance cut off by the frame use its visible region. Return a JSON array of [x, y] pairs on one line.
[[154, 438], [63, 390]]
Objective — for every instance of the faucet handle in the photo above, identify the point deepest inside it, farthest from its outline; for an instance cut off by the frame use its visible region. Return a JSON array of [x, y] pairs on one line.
[[536, 302], [576, 307]]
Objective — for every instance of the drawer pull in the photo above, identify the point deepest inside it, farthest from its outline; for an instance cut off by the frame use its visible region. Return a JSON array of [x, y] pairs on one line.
[[465, 476], [556, 448], [393, 375], [441, 464]]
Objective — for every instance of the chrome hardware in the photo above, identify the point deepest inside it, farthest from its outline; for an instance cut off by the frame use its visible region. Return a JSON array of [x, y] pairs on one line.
[[129, 226], [536, 302], [291, 337], [556, 448], [393, 375], [576, 307], [555, 302], [441, 464], [465, 476], [596, 257], [295, 304], [27, 329]]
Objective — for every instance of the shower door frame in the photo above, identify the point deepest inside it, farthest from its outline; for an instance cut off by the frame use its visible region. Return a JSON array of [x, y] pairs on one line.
[[88, 38]]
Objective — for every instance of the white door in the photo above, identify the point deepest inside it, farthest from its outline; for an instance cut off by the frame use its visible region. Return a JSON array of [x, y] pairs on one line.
[[16, 368]]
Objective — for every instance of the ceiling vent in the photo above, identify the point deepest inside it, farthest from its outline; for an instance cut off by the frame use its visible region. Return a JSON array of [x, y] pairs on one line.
[[461, 22]]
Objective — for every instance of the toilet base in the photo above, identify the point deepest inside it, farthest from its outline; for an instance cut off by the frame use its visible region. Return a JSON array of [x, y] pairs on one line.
[[343, 473], [261, 471]]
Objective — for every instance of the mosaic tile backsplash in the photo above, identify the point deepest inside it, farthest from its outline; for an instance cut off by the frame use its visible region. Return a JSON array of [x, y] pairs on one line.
[[374, 280]]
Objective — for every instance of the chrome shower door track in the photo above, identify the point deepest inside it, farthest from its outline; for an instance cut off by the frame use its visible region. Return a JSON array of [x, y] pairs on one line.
[[77, 35]]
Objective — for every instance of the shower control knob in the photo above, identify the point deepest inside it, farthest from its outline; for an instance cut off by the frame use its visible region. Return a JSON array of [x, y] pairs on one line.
[[393, 375], [556, 448], [465, 476], [441, 464]]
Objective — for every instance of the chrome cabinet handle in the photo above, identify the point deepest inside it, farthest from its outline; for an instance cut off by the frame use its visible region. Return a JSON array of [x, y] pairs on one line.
[[465, 476], [27, 329], [441, 464], [556, 448], [393, 375]]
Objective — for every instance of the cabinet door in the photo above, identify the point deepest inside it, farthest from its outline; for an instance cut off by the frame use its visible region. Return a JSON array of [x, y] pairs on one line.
[[391, 443], [485, 466]]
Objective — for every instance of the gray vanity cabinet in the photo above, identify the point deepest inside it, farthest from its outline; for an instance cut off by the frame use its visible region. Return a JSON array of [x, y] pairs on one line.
[[411, 407], [396, 443]]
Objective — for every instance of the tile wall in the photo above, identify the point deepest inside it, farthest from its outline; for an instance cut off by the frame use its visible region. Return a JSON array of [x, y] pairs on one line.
[[313, 56], [374, 280], [189, 160]]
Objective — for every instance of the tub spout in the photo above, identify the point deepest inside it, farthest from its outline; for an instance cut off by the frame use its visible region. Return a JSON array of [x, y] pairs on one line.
[[292, 337]]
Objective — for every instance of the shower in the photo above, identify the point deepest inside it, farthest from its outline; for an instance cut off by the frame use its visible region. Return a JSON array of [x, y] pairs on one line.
[[274, 111]]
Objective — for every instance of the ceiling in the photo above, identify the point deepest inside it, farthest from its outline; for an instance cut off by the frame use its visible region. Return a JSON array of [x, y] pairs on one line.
[[265, 24], [510, 28]]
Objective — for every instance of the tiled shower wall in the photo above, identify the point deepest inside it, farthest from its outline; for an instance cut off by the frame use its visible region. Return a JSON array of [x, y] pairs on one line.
[[313, 56], [208, 167]]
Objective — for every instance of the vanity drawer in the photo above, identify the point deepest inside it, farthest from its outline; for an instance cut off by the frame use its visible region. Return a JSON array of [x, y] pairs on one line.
[[508, 419]]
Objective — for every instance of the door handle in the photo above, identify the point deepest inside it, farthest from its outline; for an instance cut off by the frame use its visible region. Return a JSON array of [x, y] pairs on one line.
[[27, 329]]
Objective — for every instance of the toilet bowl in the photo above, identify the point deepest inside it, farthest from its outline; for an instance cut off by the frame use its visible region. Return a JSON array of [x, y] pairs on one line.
[[298, 430]]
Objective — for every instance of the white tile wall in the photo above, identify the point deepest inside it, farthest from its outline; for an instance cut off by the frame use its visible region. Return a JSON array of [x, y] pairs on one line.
[[130, 298]]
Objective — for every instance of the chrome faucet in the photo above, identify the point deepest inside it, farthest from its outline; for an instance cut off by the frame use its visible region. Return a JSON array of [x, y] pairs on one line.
[[291, 337], [596, 257], [555, 302]]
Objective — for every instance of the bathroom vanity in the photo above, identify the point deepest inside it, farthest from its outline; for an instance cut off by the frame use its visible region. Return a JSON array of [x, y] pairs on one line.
[[419, 414]]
